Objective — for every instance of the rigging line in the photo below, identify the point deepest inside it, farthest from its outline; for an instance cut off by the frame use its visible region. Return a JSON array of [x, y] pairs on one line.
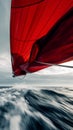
[[45, 63]]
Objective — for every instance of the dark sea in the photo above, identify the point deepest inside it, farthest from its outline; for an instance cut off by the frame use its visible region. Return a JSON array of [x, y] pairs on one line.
[[50, 108]]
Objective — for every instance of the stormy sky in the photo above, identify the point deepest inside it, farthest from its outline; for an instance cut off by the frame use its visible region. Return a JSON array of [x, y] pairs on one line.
[[51, 76]]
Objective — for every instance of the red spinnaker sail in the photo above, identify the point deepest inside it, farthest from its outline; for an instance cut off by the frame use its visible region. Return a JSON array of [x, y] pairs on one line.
[[40, 30]]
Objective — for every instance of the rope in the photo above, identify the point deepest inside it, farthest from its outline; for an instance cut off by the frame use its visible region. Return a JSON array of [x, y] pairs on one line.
[[44, 63]]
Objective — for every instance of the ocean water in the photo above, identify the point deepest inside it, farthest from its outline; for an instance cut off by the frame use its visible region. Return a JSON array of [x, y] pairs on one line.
[[50, 108]]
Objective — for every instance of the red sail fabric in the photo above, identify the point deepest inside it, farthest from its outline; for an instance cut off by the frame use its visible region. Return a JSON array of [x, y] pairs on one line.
[[39, 32], [24, 3]]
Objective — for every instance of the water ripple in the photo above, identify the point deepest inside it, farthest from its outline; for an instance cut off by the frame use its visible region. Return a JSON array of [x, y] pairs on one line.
[[47, 109]]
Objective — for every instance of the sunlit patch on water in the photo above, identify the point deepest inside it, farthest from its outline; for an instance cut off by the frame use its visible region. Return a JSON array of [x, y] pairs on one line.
[[44, 109]]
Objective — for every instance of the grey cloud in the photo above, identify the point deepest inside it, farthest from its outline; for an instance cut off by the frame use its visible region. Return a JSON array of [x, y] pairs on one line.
[[4, 25], [37, 80]]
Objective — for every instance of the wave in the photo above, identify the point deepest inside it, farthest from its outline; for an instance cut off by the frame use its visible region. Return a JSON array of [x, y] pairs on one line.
[[44, 109]]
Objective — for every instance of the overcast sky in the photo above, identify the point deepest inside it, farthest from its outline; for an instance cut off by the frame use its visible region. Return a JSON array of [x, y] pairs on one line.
[[50, 76]]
